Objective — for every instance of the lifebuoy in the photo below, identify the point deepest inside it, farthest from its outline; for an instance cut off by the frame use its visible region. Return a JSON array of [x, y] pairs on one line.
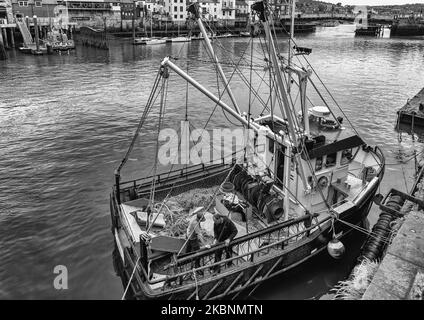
[[323, 182]]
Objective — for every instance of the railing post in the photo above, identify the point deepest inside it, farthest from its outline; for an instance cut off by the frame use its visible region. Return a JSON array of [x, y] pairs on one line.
[[118, 191]]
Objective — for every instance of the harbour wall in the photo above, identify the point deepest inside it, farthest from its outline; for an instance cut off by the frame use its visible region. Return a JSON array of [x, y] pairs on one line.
[[400, 275]]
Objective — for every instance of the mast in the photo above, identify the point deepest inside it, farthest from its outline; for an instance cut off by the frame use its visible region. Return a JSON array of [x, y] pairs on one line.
[[290, 42], [285, 106], [194, 9]]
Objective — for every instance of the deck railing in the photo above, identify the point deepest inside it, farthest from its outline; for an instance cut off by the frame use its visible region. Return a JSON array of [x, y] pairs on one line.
[[243, 250], [176, 174]]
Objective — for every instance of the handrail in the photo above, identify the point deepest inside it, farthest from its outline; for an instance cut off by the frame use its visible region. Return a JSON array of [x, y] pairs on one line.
[[172, 174], [253, 235], [203, 166], [269, 246]]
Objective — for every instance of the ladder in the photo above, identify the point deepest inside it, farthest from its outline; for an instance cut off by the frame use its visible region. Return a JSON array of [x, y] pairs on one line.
[[26, 35]]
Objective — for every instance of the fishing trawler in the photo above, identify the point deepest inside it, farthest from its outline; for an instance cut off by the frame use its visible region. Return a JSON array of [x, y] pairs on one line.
[[302, 182]]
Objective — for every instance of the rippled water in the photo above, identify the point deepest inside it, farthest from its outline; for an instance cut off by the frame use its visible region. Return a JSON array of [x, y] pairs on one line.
[[66, 121]]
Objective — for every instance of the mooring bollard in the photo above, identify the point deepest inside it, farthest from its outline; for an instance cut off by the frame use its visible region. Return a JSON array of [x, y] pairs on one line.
[[12, 37], [5, 40], [37, 40], [3, 55]]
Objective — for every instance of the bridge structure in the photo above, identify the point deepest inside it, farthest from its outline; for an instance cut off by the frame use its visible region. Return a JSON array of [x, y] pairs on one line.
[[310, 17]]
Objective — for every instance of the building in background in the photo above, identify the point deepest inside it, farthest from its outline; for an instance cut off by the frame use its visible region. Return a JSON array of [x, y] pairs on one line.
[[229, 12], [43, 9], [3, 12], [242, 13], [176, 10], [211, 10]]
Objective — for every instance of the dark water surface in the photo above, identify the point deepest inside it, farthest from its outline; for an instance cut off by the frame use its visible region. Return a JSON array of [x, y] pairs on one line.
[[66, 122]]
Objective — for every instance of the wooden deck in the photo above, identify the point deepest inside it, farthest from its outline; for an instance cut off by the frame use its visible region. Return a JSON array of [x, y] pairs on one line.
[[410, 118]]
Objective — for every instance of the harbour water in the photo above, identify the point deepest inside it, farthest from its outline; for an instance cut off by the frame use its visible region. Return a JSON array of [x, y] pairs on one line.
[[66, 122]]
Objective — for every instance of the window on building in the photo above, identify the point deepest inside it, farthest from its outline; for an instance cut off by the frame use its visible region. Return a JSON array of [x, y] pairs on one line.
[[181, 16], [38, 4], [175, 8], [23, 3], [175, 16], [181, 1], [181, 9], [214, 9]]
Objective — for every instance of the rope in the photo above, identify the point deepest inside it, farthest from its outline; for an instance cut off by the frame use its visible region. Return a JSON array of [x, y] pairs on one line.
[[369, 233], [142, 119], [164, 91], [195, 281], [129, 281]]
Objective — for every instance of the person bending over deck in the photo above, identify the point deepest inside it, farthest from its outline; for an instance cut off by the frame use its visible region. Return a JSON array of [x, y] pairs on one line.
[[194, 236], [224, 231]]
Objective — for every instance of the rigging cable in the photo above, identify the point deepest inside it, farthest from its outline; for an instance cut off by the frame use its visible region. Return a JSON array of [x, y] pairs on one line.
[[164, 91], [129, 281]]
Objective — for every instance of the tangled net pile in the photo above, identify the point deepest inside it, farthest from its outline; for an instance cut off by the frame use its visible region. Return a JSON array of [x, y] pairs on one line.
[[354, 288], [177, 216]]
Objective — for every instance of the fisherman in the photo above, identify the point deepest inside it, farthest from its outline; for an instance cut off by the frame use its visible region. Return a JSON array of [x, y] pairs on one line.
[[195, 237], [224, 231]]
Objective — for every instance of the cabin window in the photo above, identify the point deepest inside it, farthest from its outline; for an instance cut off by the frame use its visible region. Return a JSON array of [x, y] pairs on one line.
[[318, 164], [311, 182], [38, 4], [270, 145], [331, 160], [23, 3], [347, 156]]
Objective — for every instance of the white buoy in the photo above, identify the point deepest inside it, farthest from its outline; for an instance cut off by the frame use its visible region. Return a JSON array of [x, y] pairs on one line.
[[336, 248]]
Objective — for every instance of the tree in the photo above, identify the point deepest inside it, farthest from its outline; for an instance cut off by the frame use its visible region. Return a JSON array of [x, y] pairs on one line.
[[322, 7]]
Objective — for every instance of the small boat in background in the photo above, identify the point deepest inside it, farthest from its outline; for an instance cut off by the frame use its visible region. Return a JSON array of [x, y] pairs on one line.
[[181, 39], [225, 35], [62, 45], [244, 34], [141, 40], [155, 41]]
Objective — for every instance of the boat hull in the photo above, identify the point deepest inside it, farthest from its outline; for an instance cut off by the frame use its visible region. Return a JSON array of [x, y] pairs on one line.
[[233, 282]]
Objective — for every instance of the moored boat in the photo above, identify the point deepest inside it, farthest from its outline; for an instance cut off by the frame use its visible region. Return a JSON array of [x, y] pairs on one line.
[[155, 41], [301, 183], [181, 39]]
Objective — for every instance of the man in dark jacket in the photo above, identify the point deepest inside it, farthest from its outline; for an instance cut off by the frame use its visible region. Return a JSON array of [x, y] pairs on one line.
[[224, 230]]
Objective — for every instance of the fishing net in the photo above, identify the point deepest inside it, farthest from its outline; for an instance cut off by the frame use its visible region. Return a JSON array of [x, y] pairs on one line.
[[177, 215]]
